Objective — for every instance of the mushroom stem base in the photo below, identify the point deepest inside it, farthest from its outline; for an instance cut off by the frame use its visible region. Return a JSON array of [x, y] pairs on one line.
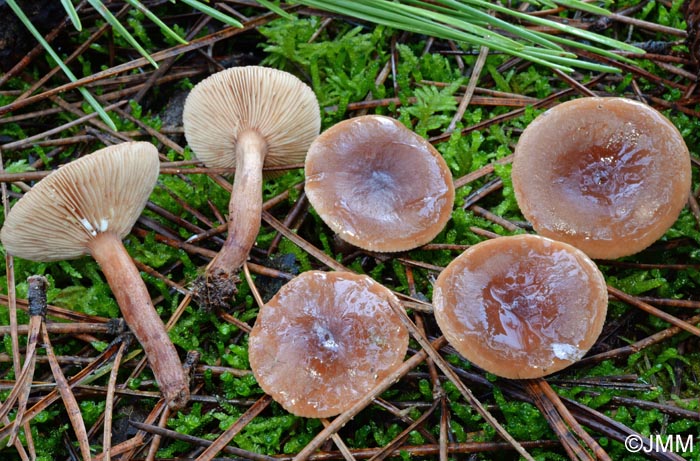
[[141, 316], [213, 292], [244, 211]]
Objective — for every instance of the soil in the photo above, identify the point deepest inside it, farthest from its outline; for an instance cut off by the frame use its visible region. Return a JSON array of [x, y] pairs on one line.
[[15, 39]]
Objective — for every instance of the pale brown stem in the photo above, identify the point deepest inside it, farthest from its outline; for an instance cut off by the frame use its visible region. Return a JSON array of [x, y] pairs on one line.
[[142, 318], [244, 208]]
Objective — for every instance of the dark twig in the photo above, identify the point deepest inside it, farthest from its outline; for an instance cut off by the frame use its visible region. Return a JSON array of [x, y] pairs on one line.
[[346, 416], [675, 321], [447, 370], [624, 351], [69, 401], [556, 422], [20, 393], [466, 99], [109, 398], [223, 440]]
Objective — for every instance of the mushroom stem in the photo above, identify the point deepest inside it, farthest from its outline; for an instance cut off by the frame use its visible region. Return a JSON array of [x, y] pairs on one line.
[[141, 316], [244, 208]]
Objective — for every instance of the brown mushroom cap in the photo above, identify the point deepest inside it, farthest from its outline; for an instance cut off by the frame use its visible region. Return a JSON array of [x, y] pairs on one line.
[[103, 191], [521, 307], [378, 185], [275, 104], [324, 340], [607, 175]]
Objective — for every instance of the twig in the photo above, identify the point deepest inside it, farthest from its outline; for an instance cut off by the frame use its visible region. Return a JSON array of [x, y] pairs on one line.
[[254, 290], [69, 401], [201, 442], [467, 97], [622, 296], [20, 393], [494, 218], [466, 393], [489, 187], [301, 243], [12, 304], [569, 419], [403, 435], [109, 398], [342, 448], [21, 144], [350, 413], [648, 25], [235, 428], [58, 312], [155, 442], [140, 62], [52, 396], [568, 441], [112, 328], [128, 447], [635, 347]]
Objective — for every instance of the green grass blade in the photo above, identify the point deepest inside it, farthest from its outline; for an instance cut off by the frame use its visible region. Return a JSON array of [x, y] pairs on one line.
[[579, 5], [547, 3], [427, 21], [275, 9], [580, 63], [214, 13], [373, 11], [574, 4], [66, 70], [482, 18], [464, 20], [120, 29], [591, 48], [397, 19], [558, 26], [156, 20], [459, 25], [72, 14]]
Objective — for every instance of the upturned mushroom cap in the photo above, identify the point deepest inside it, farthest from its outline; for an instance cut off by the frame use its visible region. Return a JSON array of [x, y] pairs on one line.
[[324, 340], [521, 307], [607, 175], [378, 185], [100, 192], [275, 104]]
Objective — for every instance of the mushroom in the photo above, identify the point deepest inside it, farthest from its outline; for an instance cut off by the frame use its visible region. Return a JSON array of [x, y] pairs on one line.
[[607, 175], [324, 340], [378, 185], [89, 206], [246, 117], [522, 306]]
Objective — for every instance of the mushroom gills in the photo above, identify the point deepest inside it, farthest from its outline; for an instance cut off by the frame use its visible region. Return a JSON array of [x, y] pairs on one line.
[[88, 206], [248, 117]]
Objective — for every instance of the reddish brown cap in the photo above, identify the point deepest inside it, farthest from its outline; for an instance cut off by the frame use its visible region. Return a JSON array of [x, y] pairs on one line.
[[273, 103], [105, 191], [324, 340], [607, 175], [378, 185], [521, 307]]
